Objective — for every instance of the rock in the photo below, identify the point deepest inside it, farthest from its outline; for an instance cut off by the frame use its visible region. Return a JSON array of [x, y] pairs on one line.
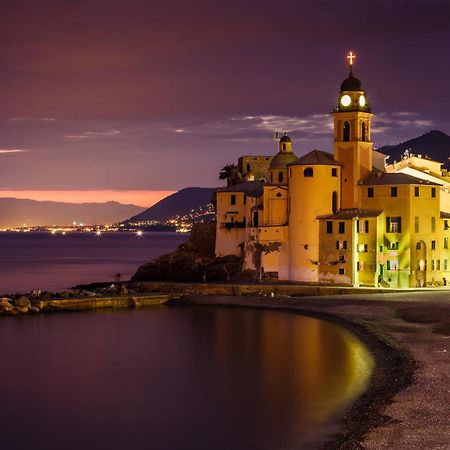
[[133, 302], [22, 309], [5, 305], [34, 309], [22, 302]]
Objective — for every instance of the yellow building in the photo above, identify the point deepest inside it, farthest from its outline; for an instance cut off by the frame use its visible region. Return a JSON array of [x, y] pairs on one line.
[[345, 218]]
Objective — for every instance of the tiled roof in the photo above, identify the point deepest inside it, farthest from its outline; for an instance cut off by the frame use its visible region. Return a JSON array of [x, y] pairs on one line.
[[380, 178], [250, 188], [316, 157], [351, 213], [378, 159]]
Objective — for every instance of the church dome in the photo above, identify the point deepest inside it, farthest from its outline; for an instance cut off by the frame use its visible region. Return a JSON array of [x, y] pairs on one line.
[[285, 138], [281, 160], [351, 84]]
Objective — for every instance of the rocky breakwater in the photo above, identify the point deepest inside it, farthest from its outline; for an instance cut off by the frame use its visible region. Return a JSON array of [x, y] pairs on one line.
[[15, 307]]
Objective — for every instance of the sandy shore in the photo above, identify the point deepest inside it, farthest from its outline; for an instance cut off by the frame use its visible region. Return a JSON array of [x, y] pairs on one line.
[[408, 403]]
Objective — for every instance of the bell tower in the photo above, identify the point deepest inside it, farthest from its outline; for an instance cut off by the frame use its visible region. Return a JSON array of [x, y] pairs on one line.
[[352, 144]]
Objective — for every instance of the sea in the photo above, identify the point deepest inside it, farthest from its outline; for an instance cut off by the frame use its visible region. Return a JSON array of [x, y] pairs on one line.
[[56, 262]]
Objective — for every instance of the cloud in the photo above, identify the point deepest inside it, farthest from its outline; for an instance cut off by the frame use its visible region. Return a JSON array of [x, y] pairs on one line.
[[94, 134], [12, 150], [384, 122], [32, 119]]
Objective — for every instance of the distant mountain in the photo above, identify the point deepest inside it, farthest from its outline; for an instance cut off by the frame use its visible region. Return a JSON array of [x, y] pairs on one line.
[[435, 144], [16, 212], [180, 203]]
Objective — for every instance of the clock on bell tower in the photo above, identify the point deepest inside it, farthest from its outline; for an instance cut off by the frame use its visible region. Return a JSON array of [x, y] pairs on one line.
[[352, 145]]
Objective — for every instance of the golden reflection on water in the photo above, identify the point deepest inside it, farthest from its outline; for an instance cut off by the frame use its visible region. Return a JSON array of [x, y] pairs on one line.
[[311, 369]]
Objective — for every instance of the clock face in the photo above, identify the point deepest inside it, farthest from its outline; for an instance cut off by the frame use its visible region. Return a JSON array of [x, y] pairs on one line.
[[346, 100], [362, 101]]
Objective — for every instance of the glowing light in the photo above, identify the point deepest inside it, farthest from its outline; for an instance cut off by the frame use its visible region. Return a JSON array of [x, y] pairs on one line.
[[139, 233], [351, 56], [53, 231], [98, 233], [63, 233], [362, 101], [346, 100]]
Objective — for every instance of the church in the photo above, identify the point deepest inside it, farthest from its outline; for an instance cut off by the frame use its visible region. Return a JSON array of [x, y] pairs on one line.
[[347, 218]]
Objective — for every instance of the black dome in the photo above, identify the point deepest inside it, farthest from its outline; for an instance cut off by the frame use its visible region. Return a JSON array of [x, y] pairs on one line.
[[351, 84], [285, 138]]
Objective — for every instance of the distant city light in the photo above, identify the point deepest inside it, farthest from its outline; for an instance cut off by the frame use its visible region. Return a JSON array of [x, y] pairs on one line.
[[139, 233]]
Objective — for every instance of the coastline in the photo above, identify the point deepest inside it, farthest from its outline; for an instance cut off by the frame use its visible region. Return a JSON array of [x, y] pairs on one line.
[[407, 332], [392, 413]]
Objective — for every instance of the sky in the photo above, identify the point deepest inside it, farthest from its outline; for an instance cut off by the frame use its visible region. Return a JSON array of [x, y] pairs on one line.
[[130, 100]]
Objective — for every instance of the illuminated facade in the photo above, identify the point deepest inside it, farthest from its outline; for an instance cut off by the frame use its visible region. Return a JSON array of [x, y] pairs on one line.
[[345, 218]]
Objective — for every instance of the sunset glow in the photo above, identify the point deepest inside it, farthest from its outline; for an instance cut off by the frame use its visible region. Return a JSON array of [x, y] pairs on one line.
[[139, 198]]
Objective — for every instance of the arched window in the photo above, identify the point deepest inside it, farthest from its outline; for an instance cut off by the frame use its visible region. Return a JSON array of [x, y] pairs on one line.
[[284, 146], [364, 131], [271, 177], [346, 132], [278, 194], [334, 201], [280, 177], [308, 172]]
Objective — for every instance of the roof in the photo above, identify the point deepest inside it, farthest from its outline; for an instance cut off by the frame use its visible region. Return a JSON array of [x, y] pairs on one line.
[[351, 213], [316, 157], [351, 84], [250, 188], [285, 138], [376, 178], [378, 159], [282, 159]]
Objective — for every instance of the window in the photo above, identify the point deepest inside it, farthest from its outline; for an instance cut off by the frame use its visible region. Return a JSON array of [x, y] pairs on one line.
[[245, 199], [418, 246], [392, 264], [284, 146], [433, 245], [433, 268], [290, 173], [346, 132], [342, 259], [248, 168], [278, 194], [393, 224], [416, 224], [333, 172], [445, 264], [233, 199], [362, 226], [364, 131], [446, 225], [362, 248], [341, 227], [341, 271], [394, 191], [280, 177], [334, 201], [370, 192], [446, 242], [416, 191], [341, 245], [308, 172], [438, 264], [329, 227], [433, 224], [433, 192]]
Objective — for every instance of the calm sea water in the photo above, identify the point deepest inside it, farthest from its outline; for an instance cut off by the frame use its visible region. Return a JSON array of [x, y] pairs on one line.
[[173, 378], [57, 262]]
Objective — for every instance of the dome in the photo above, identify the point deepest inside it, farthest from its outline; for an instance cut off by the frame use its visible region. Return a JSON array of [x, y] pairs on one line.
[[351, 84], [281, 160], [285, 138]]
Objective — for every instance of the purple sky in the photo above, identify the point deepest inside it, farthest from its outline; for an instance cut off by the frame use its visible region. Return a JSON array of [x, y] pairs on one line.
[[146, 95]]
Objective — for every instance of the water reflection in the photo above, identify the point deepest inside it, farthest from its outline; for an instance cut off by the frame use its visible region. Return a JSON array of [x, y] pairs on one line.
[[176, 378]]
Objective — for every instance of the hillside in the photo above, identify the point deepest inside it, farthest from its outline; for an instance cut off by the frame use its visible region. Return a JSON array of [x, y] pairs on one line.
[[180, 203], [435, 144], [16, 212]]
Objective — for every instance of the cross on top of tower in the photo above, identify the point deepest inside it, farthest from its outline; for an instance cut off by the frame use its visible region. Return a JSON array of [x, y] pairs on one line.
[[351, 56]]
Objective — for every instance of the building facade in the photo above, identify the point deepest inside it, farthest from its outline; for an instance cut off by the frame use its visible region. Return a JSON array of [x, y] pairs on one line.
[[346, 218]]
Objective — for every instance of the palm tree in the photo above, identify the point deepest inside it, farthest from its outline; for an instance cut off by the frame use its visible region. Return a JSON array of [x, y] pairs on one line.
[[228, 171]]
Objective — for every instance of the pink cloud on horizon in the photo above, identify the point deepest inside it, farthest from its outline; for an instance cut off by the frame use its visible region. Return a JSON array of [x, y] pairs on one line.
[[136, 197]]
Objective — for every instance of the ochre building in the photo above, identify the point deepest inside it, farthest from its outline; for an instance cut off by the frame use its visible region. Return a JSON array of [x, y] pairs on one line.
[[346, 218]]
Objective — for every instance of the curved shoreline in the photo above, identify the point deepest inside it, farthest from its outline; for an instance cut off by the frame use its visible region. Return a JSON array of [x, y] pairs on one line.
[[393, 371]]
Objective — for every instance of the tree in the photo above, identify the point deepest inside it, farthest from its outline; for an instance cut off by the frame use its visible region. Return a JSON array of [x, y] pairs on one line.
[[230, 172]]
